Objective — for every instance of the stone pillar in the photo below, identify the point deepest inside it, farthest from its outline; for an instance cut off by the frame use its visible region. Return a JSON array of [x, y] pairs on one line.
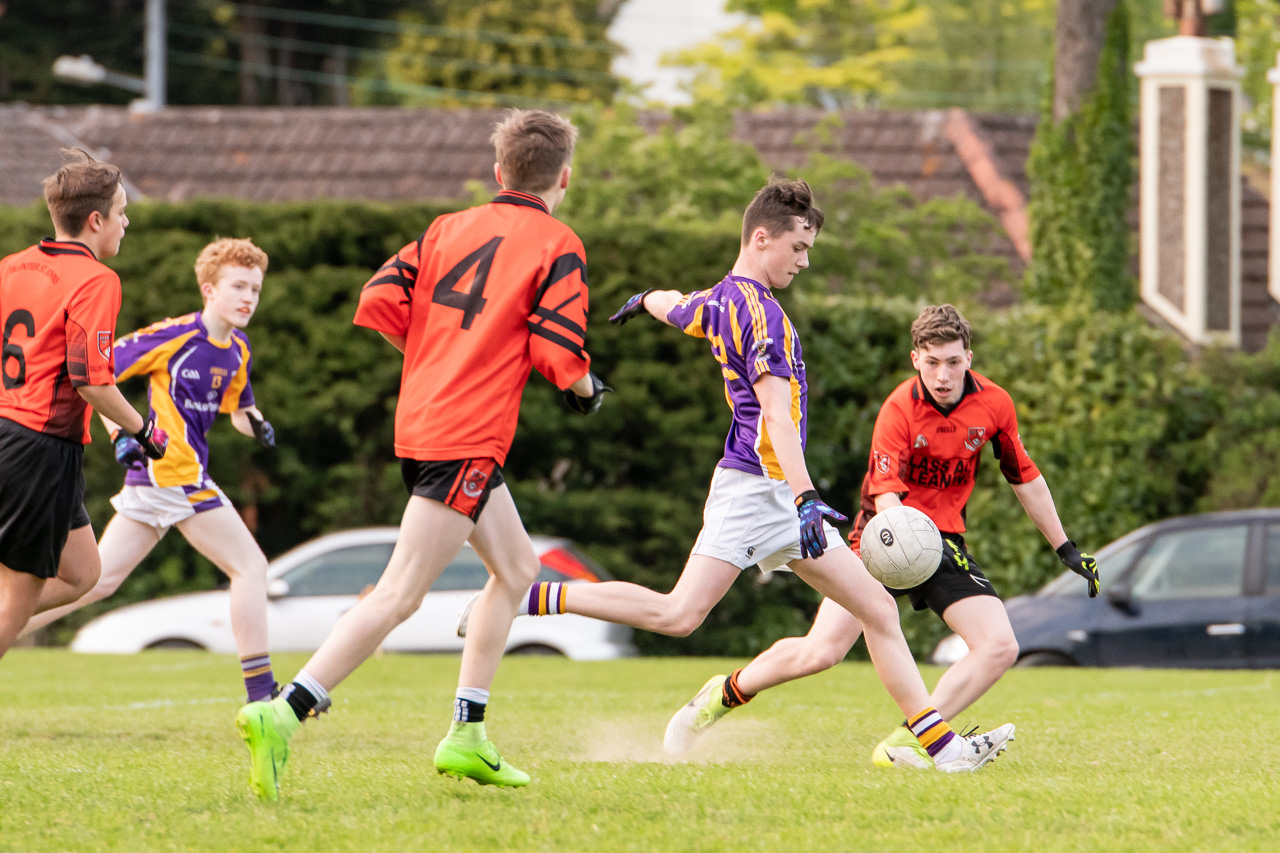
[[1273, 253], [1190, 185]]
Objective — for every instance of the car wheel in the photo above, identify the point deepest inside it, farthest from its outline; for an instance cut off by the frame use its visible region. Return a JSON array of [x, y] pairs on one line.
[[1045, 659], [174, 643], [537, 649]]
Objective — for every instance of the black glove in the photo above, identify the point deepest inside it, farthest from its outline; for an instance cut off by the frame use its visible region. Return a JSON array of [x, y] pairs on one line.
[[631, 308], [587, 405], [263, 431], [1080, 563], [152, 439], [128, 452], [812, 510]]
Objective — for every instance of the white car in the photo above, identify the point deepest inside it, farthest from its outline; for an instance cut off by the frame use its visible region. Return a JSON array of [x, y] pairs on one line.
[[310, 587]]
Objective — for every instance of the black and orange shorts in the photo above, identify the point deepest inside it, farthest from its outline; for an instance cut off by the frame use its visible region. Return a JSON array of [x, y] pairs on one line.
[[461, 484]]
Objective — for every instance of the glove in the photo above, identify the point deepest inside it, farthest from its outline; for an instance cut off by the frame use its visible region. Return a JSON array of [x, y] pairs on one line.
[[813, 539], [587, 405], [128, 452], [631, 308], [263, 431], [1080, 563], [152, 440]]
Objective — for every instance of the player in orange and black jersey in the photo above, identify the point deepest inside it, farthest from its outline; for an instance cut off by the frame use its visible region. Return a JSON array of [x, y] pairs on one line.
[[925, 451], [58, 306], [475, 302]]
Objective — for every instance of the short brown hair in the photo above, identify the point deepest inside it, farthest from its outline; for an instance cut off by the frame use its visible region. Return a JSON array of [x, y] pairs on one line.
[[228, 252], [532, 147], [80, 187], [776, 207], [940, 324]]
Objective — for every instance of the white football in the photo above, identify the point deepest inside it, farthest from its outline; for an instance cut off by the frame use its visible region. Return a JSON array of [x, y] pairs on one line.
[[901, 547]]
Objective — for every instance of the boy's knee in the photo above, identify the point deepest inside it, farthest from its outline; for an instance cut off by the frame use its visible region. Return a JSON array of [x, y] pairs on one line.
[[820, 656]]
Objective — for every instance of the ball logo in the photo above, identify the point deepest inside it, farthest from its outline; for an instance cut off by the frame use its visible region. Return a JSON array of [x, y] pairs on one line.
[[886, 536], [473, 486]]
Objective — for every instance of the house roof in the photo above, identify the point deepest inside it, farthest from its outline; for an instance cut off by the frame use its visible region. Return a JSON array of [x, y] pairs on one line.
[[392, 154]]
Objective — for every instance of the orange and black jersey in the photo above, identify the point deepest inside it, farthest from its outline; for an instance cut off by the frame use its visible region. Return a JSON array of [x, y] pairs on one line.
[[480, 297], [929, 456], [58, 307]]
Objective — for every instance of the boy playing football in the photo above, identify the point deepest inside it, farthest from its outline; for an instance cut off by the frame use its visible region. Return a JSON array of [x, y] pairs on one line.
[[479, 298], [58, 307], [925, 451], [197, 366]]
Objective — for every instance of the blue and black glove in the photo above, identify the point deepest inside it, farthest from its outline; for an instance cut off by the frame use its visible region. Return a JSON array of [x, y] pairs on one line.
[[263, 431], [812, 510], [631, 308], [1080, 563], [128, 452], [587, 405]]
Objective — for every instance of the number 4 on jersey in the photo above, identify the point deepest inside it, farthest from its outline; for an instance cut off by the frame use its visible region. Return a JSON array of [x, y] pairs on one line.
[[470, 302]]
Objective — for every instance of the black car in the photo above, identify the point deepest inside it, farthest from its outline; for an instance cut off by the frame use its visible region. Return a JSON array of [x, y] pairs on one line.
[[1197, 591]]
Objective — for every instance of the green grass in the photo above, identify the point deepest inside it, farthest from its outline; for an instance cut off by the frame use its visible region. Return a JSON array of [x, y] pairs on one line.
[[139, 753]]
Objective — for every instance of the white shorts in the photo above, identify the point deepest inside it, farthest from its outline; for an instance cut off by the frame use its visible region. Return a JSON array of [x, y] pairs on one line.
[[161, 507], [751, 520]]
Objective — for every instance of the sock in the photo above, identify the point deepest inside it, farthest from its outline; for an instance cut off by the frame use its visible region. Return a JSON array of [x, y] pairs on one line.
[[258, 679], [544, 599], [932, 731], [733, 695], [469, 704], [305, 696]]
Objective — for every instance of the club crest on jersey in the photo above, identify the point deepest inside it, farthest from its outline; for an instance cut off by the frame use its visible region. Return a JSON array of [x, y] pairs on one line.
[[473, 485], [104, 345], [977, 438], [882, 462], [921, 441], [762, 346]]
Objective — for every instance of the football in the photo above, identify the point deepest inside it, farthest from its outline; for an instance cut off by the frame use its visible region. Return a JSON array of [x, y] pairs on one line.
[[901, 547]]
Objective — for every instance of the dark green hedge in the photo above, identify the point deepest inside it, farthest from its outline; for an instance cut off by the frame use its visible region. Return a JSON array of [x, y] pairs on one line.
[[1102, 398]]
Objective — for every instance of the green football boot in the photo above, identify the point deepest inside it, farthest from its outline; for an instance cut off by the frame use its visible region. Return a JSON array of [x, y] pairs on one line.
[[698, 715], [266, 728], [466, 752], [901, 749]]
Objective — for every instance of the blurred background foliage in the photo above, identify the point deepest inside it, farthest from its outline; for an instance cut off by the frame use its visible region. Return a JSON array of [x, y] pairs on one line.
[[1126, 425]]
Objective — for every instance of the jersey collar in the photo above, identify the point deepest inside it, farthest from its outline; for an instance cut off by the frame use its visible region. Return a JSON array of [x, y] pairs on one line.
[[50, 246], [521, 200], [919, 392], [742, 279]]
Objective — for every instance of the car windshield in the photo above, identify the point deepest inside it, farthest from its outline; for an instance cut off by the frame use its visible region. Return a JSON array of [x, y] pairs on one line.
[[1111, 562]]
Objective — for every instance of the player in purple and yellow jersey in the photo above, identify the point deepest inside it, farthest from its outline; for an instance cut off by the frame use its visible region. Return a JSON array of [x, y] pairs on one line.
[[198, 366], [58, 307], [763, 509]]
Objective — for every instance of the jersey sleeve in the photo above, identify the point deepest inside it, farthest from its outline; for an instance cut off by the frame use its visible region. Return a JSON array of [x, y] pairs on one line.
[[689, 313], [386, 298], [890, 446], [558, 320], [1015, 462], [91, 331], [142, 352], [239, 393], [762, 334]]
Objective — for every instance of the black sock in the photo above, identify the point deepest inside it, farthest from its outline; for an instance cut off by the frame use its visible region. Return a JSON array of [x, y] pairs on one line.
[[300, 700]]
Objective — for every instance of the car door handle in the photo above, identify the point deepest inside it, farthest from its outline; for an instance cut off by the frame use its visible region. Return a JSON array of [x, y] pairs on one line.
[[1225, 629]]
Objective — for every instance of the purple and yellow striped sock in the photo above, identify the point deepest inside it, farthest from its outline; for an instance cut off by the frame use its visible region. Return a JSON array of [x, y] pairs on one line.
[[931, 730], [258, 678], [545, 599]]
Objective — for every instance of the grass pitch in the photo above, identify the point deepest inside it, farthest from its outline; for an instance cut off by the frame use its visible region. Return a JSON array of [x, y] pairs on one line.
[[139, 753]]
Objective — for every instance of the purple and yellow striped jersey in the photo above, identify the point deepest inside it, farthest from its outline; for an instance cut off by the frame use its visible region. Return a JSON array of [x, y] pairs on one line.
[[192, 379], [750, 335]]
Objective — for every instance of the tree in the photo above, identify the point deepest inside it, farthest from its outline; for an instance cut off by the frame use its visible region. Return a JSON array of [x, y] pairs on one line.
[[1081, 164]]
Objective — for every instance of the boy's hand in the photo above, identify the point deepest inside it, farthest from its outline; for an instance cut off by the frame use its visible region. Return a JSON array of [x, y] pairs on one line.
[[1080, 563], [587, 405], [263, 431], [631, 308], [812, 511], [152, 439], [128, 452]]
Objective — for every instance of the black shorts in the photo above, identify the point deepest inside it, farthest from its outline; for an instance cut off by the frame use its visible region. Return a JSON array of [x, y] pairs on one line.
[[41, 498], [958, 576], [461, 484]]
